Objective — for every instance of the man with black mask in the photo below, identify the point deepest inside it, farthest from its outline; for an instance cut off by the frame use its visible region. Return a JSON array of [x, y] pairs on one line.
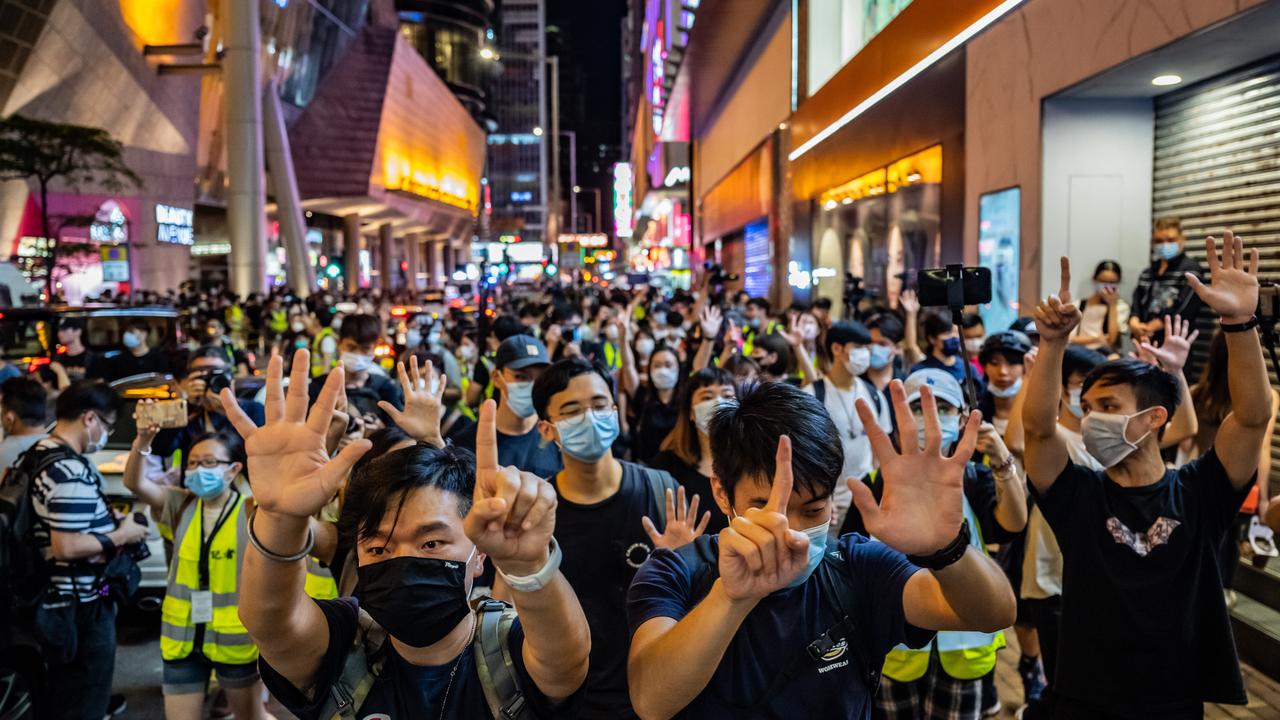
[[422, 521]]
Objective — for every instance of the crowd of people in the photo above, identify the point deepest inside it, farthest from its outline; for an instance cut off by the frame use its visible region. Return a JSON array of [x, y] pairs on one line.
[[620, 503]]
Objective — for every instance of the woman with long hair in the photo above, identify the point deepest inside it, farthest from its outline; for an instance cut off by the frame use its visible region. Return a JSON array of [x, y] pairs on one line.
[[686, 451], [1104, 315]]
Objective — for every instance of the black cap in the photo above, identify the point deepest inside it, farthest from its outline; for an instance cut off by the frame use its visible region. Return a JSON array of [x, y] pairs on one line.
[[521, 351], [1010, 343], [1026, 326]]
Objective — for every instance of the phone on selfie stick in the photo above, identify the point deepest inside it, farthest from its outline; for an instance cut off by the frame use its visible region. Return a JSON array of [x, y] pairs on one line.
[[954, 287], [1268, 313]]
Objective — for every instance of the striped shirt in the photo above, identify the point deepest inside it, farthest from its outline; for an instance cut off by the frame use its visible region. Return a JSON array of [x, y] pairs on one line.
[[68, 497]]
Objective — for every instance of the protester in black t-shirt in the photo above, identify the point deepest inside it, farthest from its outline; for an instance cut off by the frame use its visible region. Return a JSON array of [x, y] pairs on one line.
[[204, 410], [760, 621], [137, 356], [1163, 288], [72, 356], [686, 451], [422, 521], [1145, 631], [652, 399], [600, 519]]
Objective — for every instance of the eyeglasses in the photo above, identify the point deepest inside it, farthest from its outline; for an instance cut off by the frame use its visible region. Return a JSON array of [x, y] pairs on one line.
[[575, 411], [111, 424], [207, 463]]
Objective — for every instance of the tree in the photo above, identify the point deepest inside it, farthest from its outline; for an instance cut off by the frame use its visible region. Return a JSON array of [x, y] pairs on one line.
[[71, 156]]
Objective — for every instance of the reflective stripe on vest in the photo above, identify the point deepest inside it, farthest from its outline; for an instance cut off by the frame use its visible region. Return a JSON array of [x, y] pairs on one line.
[[225, 639], [964, 655], [320, 584]]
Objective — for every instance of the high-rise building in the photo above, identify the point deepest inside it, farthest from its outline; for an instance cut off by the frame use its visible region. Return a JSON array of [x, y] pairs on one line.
[[452, 35], [518, 154]]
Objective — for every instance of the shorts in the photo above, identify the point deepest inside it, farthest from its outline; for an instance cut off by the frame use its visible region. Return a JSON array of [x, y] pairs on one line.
[[191, 674]]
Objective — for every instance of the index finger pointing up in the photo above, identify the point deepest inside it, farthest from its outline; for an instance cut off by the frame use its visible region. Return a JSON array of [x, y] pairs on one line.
[[782, 479], [1064, 289], [486, 438]]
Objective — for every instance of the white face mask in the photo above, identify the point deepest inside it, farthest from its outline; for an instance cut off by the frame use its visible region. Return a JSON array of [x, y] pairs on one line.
[[644, 346], [467, 353], [1105, 439], [355, 362], [973, 345], [328, 345], [858, 360], [664, 378], [93, 447], [1008, 392], [703, 411]]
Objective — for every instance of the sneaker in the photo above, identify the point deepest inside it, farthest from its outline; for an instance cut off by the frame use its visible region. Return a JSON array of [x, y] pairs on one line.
[[992, 710], [1033, 682], [117, 705]]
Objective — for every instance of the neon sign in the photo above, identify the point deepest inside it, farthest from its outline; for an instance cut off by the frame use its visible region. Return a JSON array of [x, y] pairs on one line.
[[623, 208], [175, 225]]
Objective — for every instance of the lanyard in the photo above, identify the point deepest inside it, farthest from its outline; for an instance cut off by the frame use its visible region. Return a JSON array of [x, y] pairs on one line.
[[206, 543]]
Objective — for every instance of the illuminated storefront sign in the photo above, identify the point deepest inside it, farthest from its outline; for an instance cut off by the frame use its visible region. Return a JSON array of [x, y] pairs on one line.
[[175, 225], [213, 248], [400, 174], [677, 176], [589, 240], [109, 225], [623, 208]]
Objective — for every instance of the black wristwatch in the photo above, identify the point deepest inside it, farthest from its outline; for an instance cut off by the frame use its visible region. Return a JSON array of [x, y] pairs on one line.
[[1245, 326], [948, 555], [108, 547]]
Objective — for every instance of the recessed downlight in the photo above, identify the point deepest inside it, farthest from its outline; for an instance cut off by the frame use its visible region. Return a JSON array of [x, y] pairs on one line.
[[1166, 80]]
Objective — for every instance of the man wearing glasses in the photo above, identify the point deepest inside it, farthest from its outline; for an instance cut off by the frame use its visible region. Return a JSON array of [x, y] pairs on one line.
[[207, 372], [601, 522]]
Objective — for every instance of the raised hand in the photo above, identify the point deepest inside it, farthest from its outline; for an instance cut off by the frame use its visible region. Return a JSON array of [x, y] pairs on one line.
[[909, 302], [512, 513], [1056, 316], [710, 320], [292, 472], [991, 444], [1178, 339], [423, 405], [759, 552], [1233, 288], [923, 502], [681, 517]]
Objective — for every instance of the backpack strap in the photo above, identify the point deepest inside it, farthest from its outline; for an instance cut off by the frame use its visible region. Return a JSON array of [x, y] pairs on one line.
[[494, 664], [820, 390], [659, 483], [360, 670], [876, 396]]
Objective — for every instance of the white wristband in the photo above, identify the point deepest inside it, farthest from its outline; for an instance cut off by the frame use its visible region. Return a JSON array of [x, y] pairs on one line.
[[538, 580]]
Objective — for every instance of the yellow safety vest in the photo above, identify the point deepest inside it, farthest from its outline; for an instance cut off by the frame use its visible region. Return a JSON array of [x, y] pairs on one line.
[[320, 583], [225, 639], [749, 336], [318, 365], [964, 655], [278, 321], [612, 358]]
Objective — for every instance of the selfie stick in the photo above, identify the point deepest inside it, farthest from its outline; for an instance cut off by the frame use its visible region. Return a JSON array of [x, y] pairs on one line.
[[955, 301], [1267, 314]]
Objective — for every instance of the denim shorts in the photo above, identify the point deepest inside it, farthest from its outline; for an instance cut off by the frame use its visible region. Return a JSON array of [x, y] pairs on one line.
[[191, 674]]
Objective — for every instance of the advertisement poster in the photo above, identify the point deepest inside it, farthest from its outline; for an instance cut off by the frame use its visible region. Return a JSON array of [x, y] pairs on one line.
[[998, 238]]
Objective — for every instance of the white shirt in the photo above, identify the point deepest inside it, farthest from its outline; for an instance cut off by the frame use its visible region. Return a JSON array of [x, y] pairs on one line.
[[858, 459], [1095, 316]]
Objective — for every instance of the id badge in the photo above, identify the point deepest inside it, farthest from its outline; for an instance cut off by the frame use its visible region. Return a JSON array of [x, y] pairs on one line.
[[201, 606]]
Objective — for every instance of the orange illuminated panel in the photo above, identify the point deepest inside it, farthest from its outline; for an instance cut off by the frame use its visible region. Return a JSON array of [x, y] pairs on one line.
[[156, 22], [923, 167], [873, 183]]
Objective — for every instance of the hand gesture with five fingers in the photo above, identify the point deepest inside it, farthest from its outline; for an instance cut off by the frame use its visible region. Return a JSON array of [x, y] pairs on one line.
[[512, 513], [681, 518], [710, 320], [759, 552], [922, 507], [423, 407], [292, 472], [909, 302], [1232, 291], [1056, 316], [1172, 355]]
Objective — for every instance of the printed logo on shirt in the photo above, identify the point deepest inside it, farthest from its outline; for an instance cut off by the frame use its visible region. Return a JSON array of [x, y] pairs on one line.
[[1155, 536], [377, 716], [835, 653], [637, 554]]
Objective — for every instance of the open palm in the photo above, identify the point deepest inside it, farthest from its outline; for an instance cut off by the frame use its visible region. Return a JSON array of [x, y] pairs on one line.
[[1178, 339], [290, 470], [923, 503], [423, 402], [1232, 291]]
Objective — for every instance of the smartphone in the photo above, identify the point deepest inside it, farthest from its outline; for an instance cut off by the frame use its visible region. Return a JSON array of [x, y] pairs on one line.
[[934, 286], [168, 414]]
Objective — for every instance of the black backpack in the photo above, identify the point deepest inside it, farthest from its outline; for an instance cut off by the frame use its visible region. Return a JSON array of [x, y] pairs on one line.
[[24, 572]]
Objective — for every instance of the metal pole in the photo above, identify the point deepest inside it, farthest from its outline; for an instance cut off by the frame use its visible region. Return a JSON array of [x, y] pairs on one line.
[[555, 143], [242, 107], [573, 178], [351, 251], [293, 227]]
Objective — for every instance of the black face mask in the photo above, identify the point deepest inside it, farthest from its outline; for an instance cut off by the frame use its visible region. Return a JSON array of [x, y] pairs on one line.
[[416, 600]]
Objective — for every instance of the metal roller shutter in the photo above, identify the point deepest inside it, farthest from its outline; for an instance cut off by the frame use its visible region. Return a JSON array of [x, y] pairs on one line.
[[1217, 167]]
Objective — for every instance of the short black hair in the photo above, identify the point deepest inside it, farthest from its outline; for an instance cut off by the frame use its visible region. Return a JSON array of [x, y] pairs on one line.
[[207, 351], [382, 441], [85, 395], [137, 324], [1151, 385], [744, 438], [845, 332], [759, 302], [936, 325], [558, 376], [971, 320], [1079, 359], [228, 439], [384, 483], [360, 328], [507, 326], [27, 399], [778, 345], [71, 323], [889, 326], [822, 303]]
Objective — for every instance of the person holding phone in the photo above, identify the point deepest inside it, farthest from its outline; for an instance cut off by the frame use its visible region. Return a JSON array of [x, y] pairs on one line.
[[1104, 315]]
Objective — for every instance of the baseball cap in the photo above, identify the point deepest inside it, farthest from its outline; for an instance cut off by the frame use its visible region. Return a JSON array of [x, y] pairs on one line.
[[944, 386], [1011, 343], [1026, 326], [521, 351]]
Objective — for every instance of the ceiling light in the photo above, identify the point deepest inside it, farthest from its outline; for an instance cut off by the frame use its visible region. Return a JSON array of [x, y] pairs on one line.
[[1166, 80]]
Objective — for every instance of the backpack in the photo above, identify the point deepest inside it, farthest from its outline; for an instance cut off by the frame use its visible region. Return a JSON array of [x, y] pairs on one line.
[[24, 572], [820, 392], [659, 483], [494, 666]]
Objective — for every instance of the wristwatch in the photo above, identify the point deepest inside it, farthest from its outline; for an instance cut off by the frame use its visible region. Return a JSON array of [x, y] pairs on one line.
[[948, 555], [538, 580], [1245, 326]]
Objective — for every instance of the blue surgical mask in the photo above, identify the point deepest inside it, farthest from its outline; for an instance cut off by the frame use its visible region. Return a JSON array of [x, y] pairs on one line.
[[412, 338], [206, 482], [817, 548], [948, 424], [519, 396], [1073, 402], [1008, 392], [1166, 250], [881, 356], [951, 347], [131, 340], [588, 436]]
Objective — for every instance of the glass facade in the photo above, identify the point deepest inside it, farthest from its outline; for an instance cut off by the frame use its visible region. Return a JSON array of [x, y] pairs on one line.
[[838, 29], [516, 148], [303, 39]]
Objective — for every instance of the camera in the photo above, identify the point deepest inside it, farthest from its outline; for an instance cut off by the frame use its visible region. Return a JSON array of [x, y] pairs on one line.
[[215, 381], [716, 274]]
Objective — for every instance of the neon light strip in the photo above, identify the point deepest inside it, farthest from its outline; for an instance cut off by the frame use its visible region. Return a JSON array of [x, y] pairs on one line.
[[931, 59]]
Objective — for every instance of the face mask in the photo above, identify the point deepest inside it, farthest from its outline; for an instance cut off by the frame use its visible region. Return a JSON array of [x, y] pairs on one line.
[[973, 345], [575, 335], [355, 362], [703, 412], [205, 482], [817, 548], [1166, 250], [297, 327], [809, 332], [644, 346], [412, 338], [754, 323], [1073, 402], [433, 340], [336, 323], [418, 601], [1105, 439], [1099, 287], [858, 361], [131, 340], [664, 378], [881, 356], [611, 333], [328, 345], [1008, 392], [951, 347], [588, 436], [519, 397], [467, 353], [948, 424], [93, 447], [587, 334]]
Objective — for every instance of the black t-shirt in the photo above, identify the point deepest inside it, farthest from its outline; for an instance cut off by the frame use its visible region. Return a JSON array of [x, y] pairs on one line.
[[654, 421], [403, 690], [527, 452], [1144, 623], [695, 483], [603, 545], [78, 366], [780, 627]]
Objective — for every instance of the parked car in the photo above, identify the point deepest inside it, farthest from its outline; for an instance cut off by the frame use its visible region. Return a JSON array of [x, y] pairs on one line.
[[29, 335]]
